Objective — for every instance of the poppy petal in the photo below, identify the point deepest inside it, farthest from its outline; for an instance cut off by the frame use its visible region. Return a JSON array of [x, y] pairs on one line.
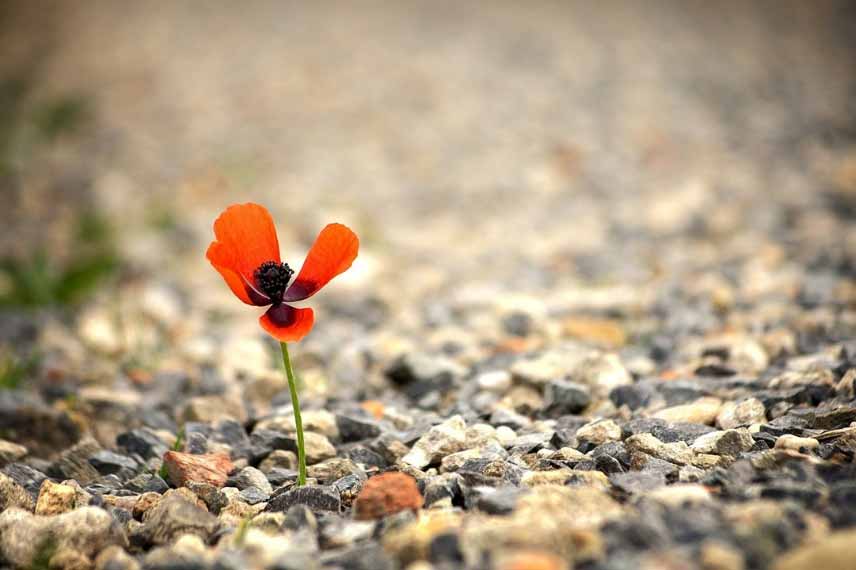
[[334, 250], [287, 323], [219, 256], [245, 238]]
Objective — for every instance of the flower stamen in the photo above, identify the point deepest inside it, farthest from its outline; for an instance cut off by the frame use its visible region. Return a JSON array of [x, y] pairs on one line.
[[272, 278]]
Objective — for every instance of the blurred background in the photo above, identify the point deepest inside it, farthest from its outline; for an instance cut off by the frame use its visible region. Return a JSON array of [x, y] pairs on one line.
[[498, 159]]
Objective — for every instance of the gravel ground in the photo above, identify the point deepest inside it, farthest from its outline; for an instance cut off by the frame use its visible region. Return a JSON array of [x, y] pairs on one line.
[[603, 317]]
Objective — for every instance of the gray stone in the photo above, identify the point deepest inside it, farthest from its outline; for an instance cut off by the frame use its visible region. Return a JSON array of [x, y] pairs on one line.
[[250, 477], [108, 463], [419, 374], [565, 397], [599, 432], [729, 442], [356, 428], [253, 495], [316, 497], [143, 442], [174, 516], [73, 463], [439, 441], [86, 531], [635, 482]]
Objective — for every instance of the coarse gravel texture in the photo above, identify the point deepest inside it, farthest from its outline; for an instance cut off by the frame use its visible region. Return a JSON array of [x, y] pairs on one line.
[[603, 317]]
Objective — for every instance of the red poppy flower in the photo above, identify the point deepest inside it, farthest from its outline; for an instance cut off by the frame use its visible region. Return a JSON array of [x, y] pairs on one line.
[[246, 253]]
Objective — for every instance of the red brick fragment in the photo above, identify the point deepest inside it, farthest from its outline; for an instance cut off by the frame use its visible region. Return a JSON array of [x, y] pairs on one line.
[[387, 494], [184, 468]]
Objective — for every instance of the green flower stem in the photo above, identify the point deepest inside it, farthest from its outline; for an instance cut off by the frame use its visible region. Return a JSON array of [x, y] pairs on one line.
[[298, 423]]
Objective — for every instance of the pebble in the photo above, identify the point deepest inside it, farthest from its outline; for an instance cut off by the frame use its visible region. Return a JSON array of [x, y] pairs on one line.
[[387, 494], [279, 459], [494, 381], [316, 497], [599, 432], [795, 443], [13, 495], [602, 373], [832, 551], [680, 494], [184, 468], [173, 516], [250, 477], [85, 531], [533, 560], [745, 413], [678, 453], [56, 498], [547, 366], [356, 428], [441, 440], [10, 452], [702, 411], [729, 442], [418, 373], [565, 397]]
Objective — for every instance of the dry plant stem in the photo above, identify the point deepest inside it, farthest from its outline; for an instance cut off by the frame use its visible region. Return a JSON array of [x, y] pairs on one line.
[[298, 423]]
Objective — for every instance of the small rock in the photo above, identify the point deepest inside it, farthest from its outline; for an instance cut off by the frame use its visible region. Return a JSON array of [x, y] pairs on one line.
[[494, 381], [636, 482], [174, 516], [442, 439], [73, 463], [143, 442], [251, 477], [599, 432], [316, 421], [25, 476], [419, 374], [184, 468], [10, 452], [253, 496], [802, 444], [549, 365], [842, 417], [680, 494], [832, 551], [145, 503], [565, 397], [602, 373], [387, 494], [606, 333], [716, 555], [318, 447], [333, 469], [356, 428], [678, 453], [729, 442], [745, 413], [279, 459], [530, 560], [69, 560], [316, 497], [115, 558], [86, 530], [12, 495], [56, 498], [108, 463], [211, 408], [702, 411]]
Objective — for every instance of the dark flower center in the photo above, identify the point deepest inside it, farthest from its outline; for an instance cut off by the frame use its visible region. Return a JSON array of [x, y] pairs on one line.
[[272, 278]]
